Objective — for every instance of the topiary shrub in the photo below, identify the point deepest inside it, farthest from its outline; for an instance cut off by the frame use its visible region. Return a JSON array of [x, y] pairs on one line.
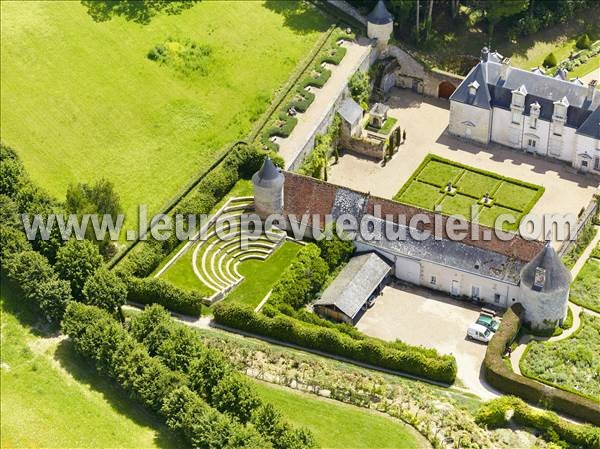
[[551, 60], [584, 42]]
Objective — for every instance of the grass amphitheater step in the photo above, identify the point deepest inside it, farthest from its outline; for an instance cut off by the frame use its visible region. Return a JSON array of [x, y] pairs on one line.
[[216, 260]]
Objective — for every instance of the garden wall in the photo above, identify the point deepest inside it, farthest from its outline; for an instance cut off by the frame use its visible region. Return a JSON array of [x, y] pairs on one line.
[[329, 113], [367, 147]]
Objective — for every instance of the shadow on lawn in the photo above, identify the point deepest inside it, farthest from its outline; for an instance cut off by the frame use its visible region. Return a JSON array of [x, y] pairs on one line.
[[298, 16], [14, 303], [84, 373], [137, 11]]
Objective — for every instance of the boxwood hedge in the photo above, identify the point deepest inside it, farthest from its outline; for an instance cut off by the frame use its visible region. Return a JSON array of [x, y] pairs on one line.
[[408, 359], [157, 291], [494, 414], [500, 376]]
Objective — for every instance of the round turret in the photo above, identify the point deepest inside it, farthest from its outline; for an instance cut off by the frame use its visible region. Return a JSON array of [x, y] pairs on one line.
[[544, 290], [380, 24], [268, 189]]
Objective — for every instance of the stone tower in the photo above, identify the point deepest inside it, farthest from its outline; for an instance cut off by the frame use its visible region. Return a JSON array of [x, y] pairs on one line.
[[380, 25], [544, 289], [268, 189]]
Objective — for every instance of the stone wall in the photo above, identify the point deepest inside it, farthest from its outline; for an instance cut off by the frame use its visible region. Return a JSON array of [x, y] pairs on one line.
[[371, 148], [411, 74]]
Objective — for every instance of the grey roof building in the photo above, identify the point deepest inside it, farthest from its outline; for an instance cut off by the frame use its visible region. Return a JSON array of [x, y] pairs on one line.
[[528, 110], [351, 289]]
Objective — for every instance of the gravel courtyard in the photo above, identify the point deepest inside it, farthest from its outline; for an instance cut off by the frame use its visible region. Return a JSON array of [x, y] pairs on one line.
[[422, 317], [425, 120]]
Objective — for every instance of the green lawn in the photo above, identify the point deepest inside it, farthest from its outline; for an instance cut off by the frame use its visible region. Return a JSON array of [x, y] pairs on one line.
[[336, 425], [260, 276], [584, 290], [80, 99], [51, 398], [572, 363], [509, 196]]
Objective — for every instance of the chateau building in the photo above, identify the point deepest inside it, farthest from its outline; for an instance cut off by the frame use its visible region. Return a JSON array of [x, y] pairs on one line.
[[490, 270], [529, 111]]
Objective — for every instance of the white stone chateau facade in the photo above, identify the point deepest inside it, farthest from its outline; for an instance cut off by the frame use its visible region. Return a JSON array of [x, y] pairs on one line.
[[529, 111]]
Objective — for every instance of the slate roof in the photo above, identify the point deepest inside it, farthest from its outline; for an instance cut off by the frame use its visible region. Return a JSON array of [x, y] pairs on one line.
[[350, 111], [268, 174], [380, 15], [352, 287], [557, 277], [540, 88], [445, 252], [591, 126]]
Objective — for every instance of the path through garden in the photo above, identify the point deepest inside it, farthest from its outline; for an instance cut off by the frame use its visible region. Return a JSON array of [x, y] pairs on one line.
[[308, 123]]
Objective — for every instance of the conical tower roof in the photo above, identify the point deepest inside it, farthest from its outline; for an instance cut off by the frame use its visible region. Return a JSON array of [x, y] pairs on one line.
[[546, 272], [268, 174], [380, 15]]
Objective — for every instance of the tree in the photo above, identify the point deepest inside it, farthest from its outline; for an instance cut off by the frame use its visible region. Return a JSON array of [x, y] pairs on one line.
[[12, 241], [52, 297], [551, 60], [495, 10], [12, 173], [76, 261], [334, 250], [99, 198], [105, 290], [417, 24], [429, 19], [584, 42], [29, 268], [234, 396], [360, 88]]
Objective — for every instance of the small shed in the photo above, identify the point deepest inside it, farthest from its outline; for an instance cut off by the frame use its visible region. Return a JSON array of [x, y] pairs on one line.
[[360, 280], [351, 114], [378, 115]]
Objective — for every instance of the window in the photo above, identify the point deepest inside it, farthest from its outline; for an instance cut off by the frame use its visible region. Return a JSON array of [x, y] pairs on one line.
[[531, 143], [515, 118], [597, 163], [497, 298], [475, 292], [584, 163], [433, 280], [533, 123]]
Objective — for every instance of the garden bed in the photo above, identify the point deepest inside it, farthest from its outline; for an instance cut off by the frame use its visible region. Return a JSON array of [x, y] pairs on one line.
[[571, 364], [426, 188]]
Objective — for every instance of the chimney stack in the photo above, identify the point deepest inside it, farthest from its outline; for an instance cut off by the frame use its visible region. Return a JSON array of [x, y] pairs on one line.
[[484, 54], [591, 90], [504, 68]]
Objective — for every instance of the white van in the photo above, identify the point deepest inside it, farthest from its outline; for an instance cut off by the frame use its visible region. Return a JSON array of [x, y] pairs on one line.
[[479, 332]]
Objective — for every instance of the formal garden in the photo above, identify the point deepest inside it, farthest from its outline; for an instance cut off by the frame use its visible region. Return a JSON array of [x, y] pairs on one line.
[[456, 188], [572, 363]]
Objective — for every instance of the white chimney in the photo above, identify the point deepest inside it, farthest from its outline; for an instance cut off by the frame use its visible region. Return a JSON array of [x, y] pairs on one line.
[[591, 90], [504, 68]]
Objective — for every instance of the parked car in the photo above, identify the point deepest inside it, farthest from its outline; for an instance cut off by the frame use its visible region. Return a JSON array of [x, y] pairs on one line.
[[487, 321], [479, 333]]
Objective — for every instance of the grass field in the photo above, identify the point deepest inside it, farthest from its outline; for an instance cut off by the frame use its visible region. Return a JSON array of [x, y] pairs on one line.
[[572, 363], [337, 425], [51, 398], [426, 189], [81, 100]]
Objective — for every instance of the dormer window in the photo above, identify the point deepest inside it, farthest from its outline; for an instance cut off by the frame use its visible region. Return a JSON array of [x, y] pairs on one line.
[[473, 88]]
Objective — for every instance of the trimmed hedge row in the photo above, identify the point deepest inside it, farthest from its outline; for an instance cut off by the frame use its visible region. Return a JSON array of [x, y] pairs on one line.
[[504, 379], [302, 279], [411, 360], [212, 376], [115, 353], [494, 414], [330, 52], [157, 291]]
